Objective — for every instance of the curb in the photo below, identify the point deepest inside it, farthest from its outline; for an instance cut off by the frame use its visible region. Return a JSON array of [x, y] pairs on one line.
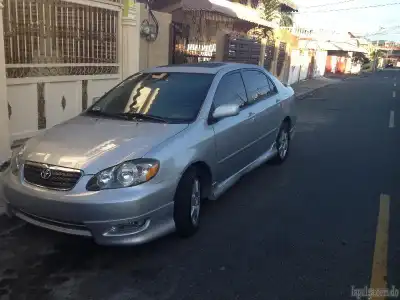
[[308, 93]]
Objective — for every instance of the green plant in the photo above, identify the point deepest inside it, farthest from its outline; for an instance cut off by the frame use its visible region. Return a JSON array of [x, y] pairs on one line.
[[376, 54], [360, 58], [286, 19], [271, 9]]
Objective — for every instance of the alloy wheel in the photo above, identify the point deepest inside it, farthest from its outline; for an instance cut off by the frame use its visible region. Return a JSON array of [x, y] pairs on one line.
[[195, 202], [283, 144]]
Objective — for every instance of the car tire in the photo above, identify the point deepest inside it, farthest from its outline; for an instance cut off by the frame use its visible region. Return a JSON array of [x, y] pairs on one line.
[[282, 143], [187, 203]]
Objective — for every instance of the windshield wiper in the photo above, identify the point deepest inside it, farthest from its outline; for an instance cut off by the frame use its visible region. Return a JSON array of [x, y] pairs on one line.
[[131, 115], [127, 115], [99, 113]]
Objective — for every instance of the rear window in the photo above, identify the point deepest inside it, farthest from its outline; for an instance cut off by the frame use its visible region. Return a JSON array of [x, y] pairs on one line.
[[258, 85], [171, 96]]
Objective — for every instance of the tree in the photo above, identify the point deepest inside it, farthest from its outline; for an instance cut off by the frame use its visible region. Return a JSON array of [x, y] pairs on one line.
[[271, 9], [286, 19], [377, 54], [359, 57]]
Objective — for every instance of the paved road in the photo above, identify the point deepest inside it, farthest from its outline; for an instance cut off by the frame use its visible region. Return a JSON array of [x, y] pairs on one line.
[[304, 230]]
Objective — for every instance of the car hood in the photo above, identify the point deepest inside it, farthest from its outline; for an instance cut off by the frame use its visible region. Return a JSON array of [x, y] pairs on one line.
[[93, 144]]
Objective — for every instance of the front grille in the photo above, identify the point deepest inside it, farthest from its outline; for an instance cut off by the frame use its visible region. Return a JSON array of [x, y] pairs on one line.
[[63, 179]]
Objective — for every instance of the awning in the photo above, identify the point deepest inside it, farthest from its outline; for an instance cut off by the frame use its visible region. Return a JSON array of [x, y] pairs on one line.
[[231, 9], [344, 46], [290, 3]]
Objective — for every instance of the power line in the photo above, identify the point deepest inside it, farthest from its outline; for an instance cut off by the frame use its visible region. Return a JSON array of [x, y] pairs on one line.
[[328, 4], [350, 8], [383, 31]]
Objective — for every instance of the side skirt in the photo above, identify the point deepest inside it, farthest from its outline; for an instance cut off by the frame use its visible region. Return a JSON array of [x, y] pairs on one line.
[[219, 189]]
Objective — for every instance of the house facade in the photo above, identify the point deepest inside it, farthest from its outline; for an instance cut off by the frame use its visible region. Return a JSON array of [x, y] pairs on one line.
[[56, 56], [196, 23]]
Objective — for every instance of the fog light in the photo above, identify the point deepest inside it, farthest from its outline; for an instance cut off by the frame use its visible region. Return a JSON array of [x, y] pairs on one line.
[[128, 227]]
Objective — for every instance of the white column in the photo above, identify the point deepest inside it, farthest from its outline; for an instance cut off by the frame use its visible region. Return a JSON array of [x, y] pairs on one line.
[[130, 39], [5, 150]]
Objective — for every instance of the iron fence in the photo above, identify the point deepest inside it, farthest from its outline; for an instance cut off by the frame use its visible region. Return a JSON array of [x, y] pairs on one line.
[[56, 37], [242, 50]]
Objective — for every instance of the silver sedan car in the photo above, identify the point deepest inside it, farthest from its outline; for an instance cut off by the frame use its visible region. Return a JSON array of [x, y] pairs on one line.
[[136, 164]]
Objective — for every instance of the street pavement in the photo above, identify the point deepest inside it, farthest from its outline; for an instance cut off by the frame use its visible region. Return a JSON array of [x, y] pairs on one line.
[[312, 228]]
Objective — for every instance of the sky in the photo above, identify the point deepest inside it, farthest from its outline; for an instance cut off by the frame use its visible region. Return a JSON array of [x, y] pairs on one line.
[[365, 21]]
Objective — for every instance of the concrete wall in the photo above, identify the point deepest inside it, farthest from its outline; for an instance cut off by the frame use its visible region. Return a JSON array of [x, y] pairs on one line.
[[300, 64], [294, 71], [130, 40], [64, 98], [320, 59], [155, 53], [305, 60], [160, 48]]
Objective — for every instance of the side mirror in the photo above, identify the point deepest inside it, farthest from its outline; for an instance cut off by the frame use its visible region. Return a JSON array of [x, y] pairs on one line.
[[226, 110], [95, 99]]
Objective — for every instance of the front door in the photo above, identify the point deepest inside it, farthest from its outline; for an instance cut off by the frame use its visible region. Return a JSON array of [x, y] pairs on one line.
[[233, 135], [264, 97]]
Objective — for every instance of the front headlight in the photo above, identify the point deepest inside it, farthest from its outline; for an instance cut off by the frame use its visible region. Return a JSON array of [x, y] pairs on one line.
[[126, 174], [17, 160]]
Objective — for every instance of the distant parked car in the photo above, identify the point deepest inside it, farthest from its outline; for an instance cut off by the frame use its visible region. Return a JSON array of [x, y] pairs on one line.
[[389, 65], [137, 163]]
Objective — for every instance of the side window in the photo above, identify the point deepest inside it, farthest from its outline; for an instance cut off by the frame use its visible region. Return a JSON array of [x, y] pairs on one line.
[[230, 91], [257, 85], [272, 86]]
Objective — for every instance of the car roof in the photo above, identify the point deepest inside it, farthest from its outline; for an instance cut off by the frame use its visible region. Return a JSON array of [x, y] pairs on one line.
[[204, 68]]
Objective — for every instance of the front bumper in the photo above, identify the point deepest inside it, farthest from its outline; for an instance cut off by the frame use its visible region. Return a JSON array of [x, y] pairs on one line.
[[122, 216]]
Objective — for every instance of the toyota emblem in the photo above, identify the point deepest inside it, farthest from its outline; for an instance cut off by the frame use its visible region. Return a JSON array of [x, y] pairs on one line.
[[45, 174]]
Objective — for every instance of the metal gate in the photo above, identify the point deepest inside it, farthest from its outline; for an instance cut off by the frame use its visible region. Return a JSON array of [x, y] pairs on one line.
[[184, 51], [242, 50]]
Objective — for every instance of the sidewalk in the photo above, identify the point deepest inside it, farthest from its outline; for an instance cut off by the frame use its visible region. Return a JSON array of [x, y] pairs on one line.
[[304, 88]]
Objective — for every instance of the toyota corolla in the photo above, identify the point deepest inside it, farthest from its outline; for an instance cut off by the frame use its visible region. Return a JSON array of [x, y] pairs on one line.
[[137, 164]]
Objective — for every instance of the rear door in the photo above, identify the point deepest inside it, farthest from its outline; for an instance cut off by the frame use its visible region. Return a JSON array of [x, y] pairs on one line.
[[235, 135], [264, 98]]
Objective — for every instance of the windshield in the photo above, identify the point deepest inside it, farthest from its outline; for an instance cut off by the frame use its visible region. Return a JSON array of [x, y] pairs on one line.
[[175, 97]]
